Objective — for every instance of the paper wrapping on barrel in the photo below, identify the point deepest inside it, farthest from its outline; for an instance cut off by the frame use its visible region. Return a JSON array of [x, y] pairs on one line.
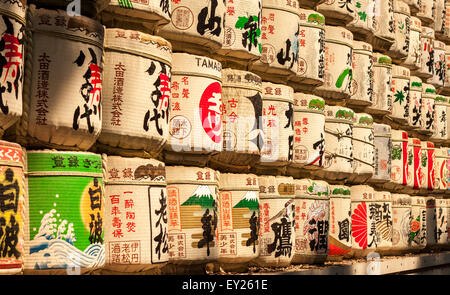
[[426, 69], [340, 236], [428, 114], [439, 65], [441, 221], [431, 223], [384, 24], [414, 5], [427, 11], [414, 167], [382, 85], [418, 222], [440, 169], [382, 207], [441, 106], [446, 87], [402, 20], [64, 107], [400, 92], [401, 216], [148, 11], [363, 144], [382, 152], [415, 102], [340, 13], [362, 71], [136, 215], [363, 21], [400, 158], [413, 59], [362, 221]]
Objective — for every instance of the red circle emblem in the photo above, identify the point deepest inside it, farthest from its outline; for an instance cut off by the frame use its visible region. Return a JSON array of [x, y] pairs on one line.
[[209, 108]]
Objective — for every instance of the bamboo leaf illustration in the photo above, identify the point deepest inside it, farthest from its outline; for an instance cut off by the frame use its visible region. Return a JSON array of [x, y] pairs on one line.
[[399, 96], [342, 76], [242, 20]]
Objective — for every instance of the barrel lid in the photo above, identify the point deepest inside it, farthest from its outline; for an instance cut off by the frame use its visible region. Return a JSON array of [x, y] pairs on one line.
[[400, 72], [401, 200], [241, 79], [311, 189], [309, 103], [427, 33], [291, 6], [185, 64], [11, 154], [311, 18], [276, 187], [339, 113], [382, 196], [340, 191], [361, 193], [415, 83], [279, 92], [238, 182], [428, 91], [418, 201], [401, 7], [191, 175], [437, 44], [15, 9], [360, 46], [338, 35], [416, 24], [430, 201], [381, 130], [363, 120], [381, 60], [119, 170]]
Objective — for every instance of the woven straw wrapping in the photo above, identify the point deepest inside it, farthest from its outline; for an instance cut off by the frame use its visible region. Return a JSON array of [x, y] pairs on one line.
[[340, 236], [136, 219], [402, 20], [440, 19], [277, 125], [384, 25], [440, 169], [429, 172], [382, 85], [418, 222], [136, 92], [428, 114], [65, 99], [382, 207], [312, 214], [337, 13], [362, 25], [196, 26], [439, 64], [427, 11], [13, 207], [338, 64], [309, 127], [432, 224], [414, 5], [412, 61], [426, 69], [193, 218], [242, 43], [238, 218], [310, 4], [280, 33], [195, 120], [363, 148], [362, 71], [66, 207], [382, 153], [414, 168], [12, 27], [441, 106], [399, 159], [446, 89], [401, 216], [241, 119], [400, 92], [441, 220], [415, 102], [277, 224], [89, 8], [311, 54]]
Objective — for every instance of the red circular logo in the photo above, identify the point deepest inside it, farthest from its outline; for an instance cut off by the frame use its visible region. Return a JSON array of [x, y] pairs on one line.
[[209, 108]]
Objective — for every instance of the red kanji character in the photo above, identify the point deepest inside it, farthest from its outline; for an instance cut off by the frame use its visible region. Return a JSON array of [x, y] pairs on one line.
[[129, 204], [117, 233], [114, 199], [131, 226]]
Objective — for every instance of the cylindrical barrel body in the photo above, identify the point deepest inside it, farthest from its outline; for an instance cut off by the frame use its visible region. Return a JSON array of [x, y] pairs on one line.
[[363, 148], [382, 159], [340, 235], [415, 102], [399, 160], [412, 61], [439, 65], [427, 11], [400, 93], [402, 21], [381, 208], [418, 223], [382, 84], [426, 69], [384, 30], [428, 114], [337, 13], [401, 216], [441, 105], [362, 71]]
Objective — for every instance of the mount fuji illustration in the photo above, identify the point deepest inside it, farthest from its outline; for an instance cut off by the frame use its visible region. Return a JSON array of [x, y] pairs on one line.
[[250, 201], [202, 196]]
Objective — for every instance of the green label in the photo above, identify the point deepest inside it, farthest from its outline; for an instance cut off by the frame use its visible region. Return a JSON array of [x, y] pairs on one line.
[[79, 162]]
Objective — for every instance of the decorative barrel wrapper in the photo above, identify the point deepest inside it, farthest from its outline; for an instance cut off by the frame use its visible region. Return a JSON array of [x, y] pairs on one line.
[[241, 118], [195, 117], [363, 222], [382, 85], [238, 219], [136, 92], [340, 231], [384, 25], [362, 70], [382, 153], [66, 206], [441, 105], [381, 208], [312, 214], [448, 223], [448, 168], [428, 171], [440, 16], [400, 92], [277, 223], [89, 8], [401, 216], [362, 25], [13, 214], [413, 60], [415, 102], [440, 170], [280, 33], [446, 89], [12, 55], [439, 64], [414, 167], [418, 235], [338, 64], [277, 125], [146, 15], [192, 195], [402, 21], [242, 40], [428, 114], [311, 55], [64, 105], [309, 131], [427, 11], [432, 224], [338, 13], [136, 217], [426, 69], [338, 155], [363, 148], [196, 26], [399, 160], [441, 222]]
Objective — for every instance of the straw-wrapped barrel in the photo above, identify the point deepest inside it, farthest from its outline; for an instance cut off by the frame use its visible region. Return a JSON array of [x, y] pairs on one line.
[[400, 93], [382, 159], [362, 70], [415, 102], [402, 20], [439, 65], [363, 148], [401, 224], [428, 114], [426, 69], [381, 207], [418, 223], [340, 235], [441, 106], [337, 13], [362, 25], [412, 61], [427, 11], [382, 85], [384, 25]]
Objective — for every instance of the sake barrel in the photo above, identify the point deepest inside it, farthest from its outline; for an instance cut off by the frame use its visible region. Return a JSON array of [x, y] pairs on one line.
[[311, 54], [415, 102], [146, 15], [136, 217], [402, 21], [13, 37], [440, 170], [428, 114], [66, 51], [400, 92], [382, 157], [363, 223], [238, 220], [432, 224], [381, 207], [441, 222], [13, 216], [338, 64], [363, 148], [448, 168], [444, 34], [277, 125], [242, 41], [414, 5], [447, 109], [136, 93], [362, 71], [192, 195], [426, 69], [309, 129], [440, 19], [384, 25], [66, 206], [427, 11], [338, 154], [439, 64], [418, 223], [277, 223], [337, 13], [339, 233], [441, 129], [312, 213], [241, 118], [280, 29], [401, 224], [382, 84], [86, 8], [399, 160], [195, 118], [413, 60], [415, 173], [362, 25], [448, 224], [195, 27], [446, 89], [428, 171]]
